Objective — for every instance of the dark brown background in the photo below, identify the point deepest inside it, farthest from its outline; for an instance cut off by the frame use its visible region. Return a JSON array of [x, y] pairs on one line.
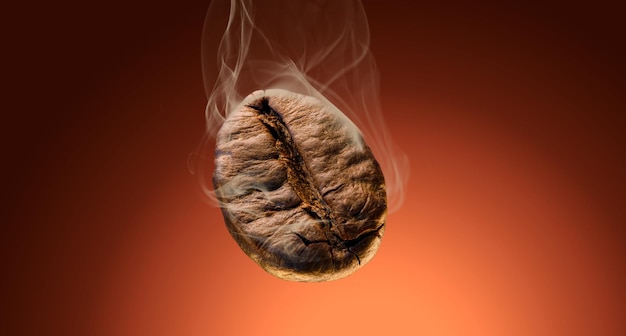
[[513, 223]]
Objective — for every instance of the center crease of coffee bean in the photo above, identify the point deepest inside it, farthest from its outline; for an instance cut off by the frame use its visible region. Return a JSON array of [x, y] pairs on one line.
[[302, 182]]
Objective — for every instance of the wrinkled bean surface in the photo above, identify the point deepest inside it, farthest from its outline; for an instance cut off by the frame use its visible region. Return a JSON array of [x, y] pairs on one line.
[[300, 191]]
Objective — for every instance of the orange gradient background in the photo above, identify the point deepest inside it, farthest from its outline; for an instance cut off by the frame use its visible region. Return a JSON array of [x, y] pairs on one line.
[[513, 221]]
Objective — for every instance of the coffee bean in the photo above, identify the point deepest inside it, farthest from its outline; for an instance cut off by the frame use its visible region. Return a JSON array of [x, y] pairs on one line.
[[300, 191]]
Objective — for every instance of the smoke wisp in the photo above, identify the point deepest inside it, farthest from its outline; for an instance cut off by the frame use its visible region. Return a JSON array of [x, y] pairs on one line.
[[318, 48]]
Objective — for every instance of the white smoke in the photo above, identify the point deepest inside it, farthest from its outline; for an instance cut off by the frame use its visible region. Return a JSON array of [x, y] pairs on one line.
[[318, 48]]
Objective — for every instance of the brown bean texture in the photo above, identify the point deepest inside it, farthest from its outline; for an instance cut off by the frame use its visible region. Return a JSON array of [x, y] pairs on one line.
[[300, 191]]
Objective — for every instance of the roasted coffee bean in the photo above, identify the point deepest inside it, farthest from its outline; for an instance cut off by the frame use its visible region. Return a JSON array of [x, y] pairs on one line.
[[300, 191]]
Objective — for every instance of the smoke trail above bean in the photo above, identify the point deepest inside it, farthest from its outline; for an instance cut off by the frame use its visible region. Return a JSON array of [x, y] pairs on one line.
[[316, 48]]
